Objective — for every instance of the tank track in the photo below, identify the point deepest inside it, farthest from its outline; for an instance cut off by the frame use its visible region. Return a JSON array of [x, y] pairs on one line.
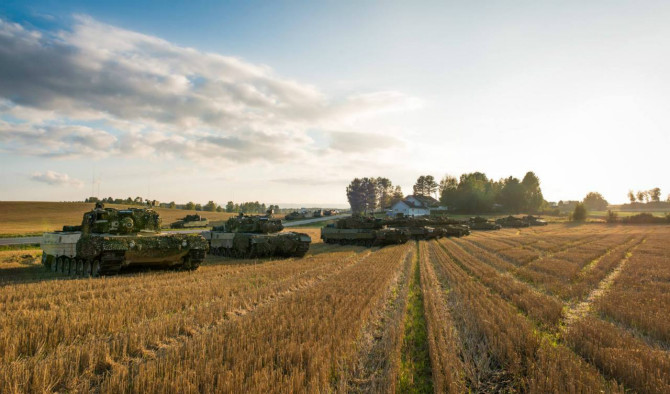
[[111, 262], [301, 250]]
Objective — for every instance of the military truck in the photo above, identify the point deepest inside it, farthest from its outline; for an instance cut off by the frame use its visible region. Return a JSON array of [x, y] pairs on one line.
[[109, 240], [254, 237], [480, 223], [512, 222], [365, 231], [190, 221]]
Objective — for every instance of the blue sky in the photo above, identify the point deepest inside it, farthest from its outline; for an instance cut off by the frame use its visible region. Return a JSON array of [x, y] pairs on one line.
[[303, 97]]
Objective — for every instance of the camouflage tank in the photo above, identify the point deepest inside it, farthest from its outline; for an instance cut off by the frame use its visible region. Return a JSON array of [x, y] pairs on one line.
[[535, 221], [256, 236], [512, 222], [109, 240], [429, 227], [190, 221], [365, 231], [295, 216], [480, 223]]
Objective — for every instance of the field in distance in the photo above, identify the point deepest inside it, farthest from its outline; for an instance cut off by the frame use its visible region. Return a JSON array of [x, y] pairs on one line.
[[27, 217], [560, 308]]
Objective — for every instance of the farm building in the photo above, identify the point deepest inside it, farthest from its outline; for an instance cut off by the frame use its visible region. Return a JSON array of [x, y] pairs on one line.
[[415, 205]]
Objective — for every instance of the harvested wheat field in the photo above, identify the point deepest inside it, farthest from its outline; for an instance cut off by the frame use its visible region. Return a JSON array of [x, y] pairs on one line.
[[551, 309]]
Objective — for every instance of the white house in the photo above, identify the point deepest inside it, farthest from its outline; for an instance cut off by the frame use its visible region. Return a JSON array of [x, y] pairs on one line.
[[414, 205]]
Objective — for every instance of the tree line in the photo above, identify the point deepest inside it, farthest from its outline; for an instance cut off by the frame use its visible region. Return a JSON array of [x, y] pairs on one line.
[[476, 193], [211, 206], [471, 193], [646, 196]]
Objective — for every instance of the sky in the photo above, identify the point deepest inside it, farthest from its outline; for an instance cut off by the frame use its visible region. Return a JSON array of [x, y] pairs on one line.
[[286, 102]]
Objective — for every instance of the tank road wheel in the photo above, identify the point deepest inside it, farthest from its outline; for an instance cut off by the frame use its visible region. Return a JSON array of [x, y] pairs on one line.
[[95, 268], [44, 259], [80, 267], [87, 268], [54, 265], [59, 264]]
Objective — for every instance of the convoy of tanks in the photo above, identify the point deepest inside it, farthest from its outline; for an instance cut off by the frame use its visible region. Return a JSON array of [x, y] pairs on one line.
[[109, 240]]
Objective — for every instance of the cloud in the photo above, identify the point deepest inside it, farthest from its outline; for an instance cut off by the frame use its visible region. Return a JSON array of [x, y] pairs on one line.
[[56, 179], [311, 181], [151, 96], [358, 142]]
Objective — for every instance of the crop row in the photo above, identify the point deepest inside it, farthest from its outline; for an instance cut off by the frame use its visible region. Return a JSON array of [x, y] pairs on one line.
[[502, 349], [298, 344], [540, 307], [87, 325], [640, 296]]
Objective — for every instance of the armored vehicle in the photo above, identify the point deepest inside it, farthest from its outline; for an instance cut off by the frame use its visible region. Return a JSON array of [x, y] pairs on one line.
[[110, 239], [330, 212], [318, 213], [535, 221], [435, 227], [190, 221], [295, 216], [512, 222], [366, 231], [256, 236], [480, 223]]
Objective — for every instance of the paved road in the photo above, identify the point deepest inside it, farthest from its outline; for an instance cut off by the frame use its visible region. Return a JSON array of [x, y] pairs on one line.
[[36, 240], [20, 240], [308, 221]]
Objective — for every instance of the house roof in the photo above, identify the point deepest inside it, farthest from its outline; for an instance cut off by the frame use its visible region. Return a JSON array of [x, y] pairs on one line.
[[420, 201]]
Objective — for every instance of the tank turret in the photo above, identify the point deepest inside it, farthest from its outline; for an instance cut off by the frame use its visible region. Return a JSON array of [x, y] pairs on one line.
[[253, 224]]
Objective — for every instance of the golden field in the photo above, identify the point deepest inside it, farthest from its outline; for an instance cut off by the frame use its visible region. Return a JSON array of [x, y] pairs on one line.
[[27, 217], [559, 308]]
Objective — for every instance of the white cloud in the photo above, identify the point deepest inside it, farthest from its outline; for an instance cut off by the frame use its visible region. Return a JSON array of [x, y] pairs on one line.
[[160, 99], [56, 179]]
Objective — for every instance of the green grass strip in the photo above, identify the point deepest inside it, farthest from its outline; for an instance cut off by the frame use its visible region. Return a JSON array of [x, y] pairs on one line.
[[415, 375]]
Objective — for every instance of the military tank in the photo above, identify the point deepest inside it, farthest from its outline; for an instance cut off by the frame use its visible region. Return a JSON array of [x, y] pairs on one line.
[[295, 216], [429, 227], [109, 240], [256, 236], [365, 231], [535, 221], [190, 221], [512, 222], [480, 223]]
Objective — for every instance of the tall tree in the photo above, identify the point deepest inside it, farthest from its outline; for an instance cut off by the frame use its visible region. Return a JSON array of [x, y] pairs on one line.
[[356, 196], [655, 194], [425, 186], [190, 205], [595, 202], [397, 195], [641, 195], [172, 205], [230, 206], [384, 191], [210, 206], [533, 197], [512, 195], [448, 190], [631, 196], [419, 186]]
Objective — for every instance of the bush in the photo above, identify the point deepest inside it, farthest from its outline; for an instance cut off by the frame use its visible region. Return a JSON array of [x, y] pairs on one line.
[[579, 214], [612, 217]]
